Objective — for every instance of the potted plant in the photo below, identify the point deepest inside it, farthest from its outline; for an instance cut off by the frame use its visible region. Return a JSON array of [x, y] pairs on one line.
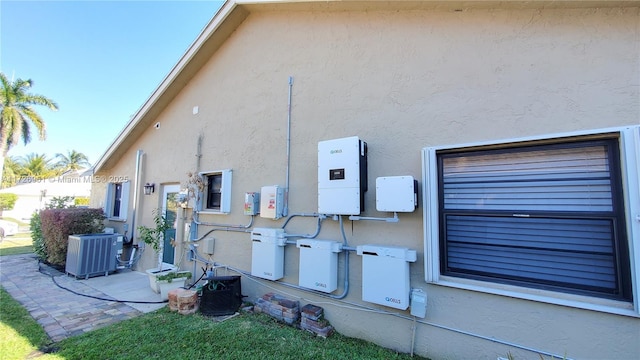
[[171, 280], [154, 237]]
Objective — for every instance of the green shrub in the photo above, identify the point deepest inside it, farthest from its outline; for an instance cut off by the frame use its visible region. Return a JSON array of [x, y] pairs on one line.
[[58, 224], [60, 202], [170, 276], [36, 236], [81, 201], [7, 201]]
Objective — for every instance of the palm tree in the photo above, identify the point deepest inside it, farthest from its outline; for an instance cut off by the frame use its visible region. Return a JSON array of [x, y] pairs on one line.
[[37, 166], [74, 160], [16, 111], [12, 171]]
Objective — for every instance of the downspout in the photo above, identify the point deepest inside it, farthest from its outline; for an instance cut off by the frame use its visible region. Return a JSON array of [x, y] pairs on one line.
[[136, 183]]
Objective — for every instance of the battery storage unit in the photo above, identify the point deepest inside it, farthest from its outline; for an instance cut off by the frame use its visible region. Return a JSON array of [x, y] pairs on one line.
[[319, 264], [385, 275], [342, 176], [267, 253]]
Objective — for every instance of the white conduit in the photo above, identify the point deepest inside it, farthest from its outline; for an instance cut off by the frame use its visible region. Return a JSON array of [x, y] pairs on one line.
[[285, 211]]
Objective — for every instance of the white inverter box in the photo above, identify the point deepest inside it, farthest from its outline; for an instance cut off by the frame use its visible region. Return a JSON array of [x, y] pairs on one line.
[[319, 264], [342, 176], [267, 253], [385, 275]]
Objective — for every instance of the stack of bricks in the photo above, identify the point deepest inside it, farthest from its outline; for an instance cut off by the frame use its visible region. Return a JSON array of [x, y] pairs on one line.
[[183, 301], [313, 320], [278, 307]]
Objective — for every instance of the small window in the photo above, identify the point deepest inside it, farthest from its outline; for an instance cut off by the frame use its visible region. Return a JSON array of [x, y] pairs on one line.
[[214, 191], [117, 200], [217, 196]]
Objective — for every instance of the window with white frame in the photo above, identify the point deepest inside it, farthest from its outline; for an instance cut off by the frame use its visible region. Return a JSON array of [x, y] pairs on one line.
[[217, 193], [117, 200], [547, 214]]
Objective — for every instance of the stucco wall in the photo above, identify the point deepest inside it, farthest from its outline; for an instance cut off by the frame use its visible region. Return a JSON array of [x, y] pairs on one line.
[[400, 81]]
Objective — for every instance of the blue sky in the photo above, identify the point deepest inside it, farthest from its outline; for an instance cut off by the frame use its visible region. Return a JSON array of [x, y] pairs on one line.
[[98, 60]]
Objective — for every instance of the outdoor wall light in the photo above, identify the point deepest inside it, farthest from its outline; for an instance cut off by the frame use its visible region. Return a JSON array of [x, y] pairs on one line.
[[149, 188]]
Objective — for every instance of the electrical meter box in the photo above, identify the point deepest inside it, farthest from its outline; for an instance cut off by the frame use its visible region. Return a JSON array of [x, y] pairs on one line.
[[267, 253], [319, 264], [342, 176], [418, 303], [396, 193], [271, 202], [208, 244], [251, 203], [385, 275]]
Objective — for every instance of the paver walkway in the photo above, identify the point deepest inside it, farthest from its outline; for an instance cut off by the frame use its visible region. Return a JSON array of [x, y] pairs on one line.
[[60, 312]]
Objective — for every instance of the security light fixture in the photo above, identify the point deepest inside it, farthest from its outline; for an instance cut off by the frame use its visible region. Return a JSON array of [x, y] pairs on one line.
[[149, 188]]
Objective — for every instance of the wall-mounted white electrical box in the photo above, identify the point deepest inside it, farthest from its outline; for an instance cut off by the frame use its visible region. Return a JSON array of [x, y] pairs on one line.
[[396, 193], [208, 244], [342, 176], [418, 303], [271, 202], [251, 203], [385, 274], [319, 264], [267, 253]]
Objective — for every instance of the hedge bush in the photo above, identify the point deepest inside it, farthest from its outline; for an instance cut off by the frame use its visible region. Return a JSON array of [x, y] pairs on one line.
[[36, 236], [81, 201], [57, 224]]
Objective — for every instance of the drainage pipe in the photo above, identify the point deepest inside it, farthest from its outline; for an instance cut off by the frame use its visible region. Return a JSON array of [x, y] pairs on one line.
[[136, 185]]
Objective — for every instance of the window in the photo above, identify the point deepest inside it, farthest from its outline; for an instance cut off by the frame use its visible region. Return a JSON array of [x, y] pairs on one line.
[[546, 214], [117, 200], [217, 196], [214, 191]]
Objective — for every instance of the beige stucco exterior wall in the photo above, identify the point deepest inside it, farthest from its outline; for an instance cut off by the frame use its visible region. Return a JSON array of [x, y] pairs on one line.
[[401, 81]]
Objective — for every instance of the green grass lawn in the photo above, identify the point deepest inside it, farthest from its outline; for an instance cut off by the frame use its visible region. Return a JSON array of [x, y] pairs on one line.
[[19, 243], [20, 335], [167, 335]]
